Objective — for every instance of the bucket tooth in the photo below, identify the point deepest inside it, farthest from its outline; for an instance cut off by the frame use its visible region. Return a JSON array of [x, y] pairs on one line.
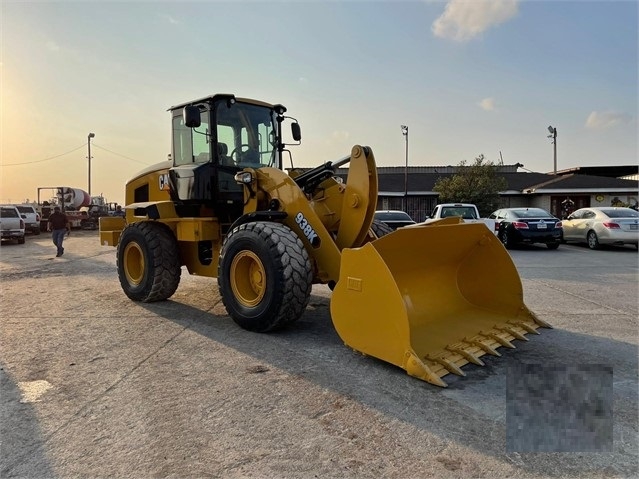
[[487, 349], [527, 327], [504, 342], [450, 366], [541, 322], [417, 368], [514, 333], [471, 358]]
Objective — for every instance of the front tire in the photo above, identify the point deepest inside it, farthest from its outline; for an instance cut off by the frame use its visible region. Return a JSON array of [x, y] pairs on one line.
[[148, 262], [593, 240], [264, 276]]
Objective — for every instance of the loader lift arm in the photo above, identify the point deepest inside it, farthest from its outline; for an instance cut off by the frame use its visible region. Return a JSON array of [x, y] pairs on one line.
[[310, 180]]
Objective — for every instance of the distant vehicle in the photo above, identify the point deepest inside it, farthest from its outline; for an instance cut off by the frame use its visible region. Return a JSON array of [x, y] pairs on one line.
[[32, 218], [11, 224], [527, 225], [394, 218], [602, 226], [466, 211]]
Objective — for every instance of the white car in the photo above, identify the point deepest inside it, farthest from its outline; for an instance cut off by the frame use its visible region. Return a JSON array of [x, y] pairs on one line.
[[602, 225], [32, 220]]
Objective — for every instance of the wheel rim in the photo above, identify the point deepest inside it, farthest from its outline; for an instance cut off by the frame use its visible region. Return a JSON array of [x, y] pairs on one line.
[[133, 263], [248, 278], [592, 240], [504, 238]]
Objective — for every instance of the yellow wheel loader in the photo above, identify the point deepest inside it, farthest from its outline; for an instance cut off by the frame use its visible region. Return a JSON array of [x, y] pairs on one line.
[[429, 298]]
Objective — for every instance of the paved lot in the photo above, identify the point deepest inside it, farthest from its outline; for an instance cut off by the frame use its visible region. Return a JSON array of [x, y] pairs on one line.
[[94, 385]]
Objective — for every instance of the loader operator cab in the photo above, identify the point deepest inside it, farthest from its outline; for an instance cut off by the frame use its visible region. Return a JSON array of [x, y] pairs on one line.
[[215, 138]]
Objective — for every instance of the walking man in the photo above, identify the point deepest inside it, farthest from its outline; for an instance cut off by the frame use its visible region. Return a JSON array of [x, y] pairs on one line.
[[58, 224]]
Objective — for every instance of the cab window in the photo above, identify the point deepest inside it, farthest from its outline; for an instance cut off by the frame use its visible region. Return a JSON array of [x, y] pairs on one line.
[[248, 131], [190, 145]]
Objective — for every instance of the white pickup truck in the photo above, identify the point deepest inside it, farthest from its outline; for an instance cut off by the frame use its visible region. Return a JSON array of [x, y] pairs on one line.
[[11, 224], [467, 211]]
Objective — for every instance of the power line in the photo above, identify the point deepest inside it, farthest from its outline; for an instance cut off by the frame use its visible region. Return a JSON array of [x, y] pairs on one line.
[[45, 159], [118, 154], [71, 151]]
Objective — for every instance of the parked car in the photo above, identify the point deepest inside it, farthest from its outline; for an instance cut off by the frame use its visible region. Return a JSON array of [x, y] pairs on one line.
[[603, 225], [527, 225], [467, 211], [394, 218], [11, 224], [31, 218]]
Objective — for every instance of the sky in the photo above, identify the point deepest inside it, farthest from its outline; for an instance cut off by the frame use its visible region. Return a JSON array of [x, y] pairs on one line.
[[468, 78]]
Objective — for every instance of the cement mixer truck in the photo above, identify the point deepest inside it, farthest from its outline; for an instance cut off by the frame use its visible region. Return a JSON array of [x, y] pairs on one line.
[[70, 200]]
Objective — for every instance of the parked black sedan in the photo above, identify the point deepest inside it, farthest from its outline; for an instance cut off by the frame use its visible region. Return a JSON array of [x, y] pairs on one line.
[[527, 225], [394, 219]]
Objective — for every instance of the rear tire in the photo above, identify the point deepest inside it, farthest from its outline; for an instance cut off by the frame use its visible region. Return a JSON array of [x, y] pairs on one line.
[[553, 245], [593, 241], [148, 262], [21, 240], [380, 228], [505, 239], [264, 276]]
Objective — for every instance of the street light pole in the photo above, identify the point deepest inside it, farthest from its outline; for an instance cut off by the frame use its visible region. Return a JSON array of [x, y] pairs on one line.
[[91, 135], [553, 137], [405, 133]]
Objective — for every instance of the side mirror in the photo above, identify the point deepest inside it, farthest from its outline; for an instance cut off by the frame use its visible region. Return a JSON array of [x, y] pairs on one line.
[[296, 132], [191, 116]]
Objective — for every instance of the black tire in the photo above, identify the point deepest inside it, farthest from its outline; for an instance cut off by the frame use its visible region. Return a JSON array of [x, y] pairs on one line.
[[264, 276], [148, 262], [593, 240], [21, 240], [380, 228], [36, 231], [506, 240], [553, 245]]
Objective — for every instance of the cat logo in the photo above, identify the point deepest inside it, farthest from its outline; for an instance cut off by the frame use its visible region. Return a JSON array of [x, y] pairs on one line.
[[164, 182]]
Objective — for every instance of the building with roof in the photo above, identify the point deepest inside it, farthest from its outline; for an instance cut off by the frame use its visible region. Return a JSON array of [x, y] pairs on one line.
[[411, 189]]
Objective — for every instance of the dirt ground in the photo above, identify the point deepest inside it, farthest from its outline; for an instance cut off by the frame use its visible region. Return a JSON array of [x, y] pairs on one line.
[[95, 385]]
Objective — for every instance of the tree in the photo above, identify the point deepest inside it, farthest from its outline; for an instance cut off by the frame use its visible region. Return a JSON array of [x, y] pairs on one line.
[[477, 183]]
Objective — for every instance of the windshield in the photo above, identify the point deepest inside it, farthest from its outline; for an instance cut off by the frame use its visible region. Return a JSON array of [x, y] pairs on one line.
[[532, 213], [466, 212], [8, 212], [621, 213], [247, 133], [392, 216]]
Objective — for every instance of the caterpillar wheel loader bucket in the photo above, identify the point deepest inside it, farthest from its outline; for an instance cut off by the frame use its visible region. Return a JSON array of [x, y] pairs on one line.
[[431, 299]]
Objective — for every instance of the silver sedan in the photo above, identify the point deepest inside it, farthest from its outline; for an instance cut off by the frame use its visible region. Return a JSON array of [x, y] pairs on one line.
[[602, 225]]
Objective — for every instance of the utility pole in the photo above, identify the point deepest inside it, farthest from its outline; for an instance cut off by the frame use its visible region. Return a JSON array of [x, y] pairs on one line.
[[553, 137], [91, 135], [405, 133]]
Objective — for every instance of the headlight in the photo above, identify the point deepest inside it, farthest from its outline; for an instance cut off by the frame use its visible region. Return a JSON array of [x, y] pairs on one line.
[[244, 177]]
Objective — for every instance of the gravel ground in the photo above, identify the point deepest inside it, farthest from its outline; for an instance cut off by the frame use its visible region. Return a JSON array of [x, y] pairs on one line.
[[94, 385]]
